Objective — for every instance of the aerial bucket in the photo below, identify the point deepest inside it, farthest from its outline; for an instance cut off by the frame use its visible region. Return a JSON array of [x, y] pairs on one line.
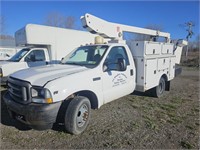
[[178, 51]]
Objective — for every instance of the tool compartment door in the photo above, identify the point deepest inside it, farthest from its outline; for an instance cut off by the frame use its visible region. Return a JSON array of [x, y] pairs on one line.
[[153, 48], [163, 63], [151, 75], [167, 48]]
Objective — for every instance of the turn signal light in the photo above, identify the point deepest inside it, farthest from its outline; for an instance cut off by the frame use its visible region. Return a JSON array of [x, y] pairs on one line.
[[49, 100]]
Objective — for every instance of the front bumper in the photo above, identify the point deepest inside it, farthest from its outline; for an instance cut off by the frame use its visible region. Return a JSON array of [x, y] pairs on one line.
[[37, 116]]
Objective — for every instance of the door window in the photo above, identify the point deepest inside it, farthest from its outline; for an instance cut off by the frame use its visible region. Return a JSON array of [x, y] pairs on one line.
[[35, 55], [116, 53]]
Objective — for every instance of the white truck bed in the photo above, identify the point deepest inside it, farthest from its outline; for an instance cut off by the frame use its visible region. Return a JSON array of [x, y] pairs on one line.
[[152, 60]]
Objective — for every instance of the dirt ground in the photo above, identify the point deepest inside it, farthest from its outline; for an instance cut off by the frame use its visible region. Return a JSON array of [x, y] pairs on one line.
[[134, 121]]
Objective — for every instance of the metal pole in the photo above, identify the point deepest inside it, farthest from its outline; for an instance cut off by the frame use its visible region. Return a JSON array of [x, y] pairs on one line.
[[186, 53]]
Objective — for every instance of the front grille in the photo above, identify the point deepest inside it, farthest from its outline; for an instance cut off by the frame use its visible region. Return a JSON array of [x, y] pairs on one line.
[[19, 90]]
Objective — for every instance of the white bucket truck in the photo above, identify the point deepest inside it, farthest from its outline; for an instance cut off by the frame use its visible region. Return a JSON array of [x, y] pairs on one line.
[[44, 45], [91, 76]]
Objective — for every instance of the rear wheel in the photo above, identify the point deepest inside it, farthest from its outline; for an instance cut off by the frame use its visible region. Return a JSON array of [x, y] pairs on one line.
[[159, 90], [77, 115]]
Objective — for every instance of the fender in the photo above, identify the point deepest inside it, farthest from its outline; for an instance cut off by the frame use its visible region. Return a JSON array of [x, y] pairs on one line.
[[62, 88]]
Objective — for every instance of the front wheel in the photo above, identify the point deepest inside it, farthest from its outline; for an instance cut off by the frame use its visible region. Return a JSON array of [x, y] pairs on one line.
[[159, 90], [77, 115]]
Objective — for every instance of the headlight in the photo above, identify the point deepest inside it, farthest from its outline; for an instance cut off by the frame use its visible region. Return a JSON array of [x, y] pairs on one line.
[[41, 95], [1, 72]]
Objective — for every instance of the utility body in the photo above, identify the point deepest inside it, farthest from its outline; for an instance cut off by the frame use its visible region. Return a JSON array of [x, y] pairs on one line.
[[91, 76], [42, 45]]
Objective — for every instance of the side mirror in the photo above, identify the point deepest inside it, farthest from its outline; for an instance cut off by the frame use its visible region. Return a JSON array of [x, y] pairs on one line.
[[30, 59], [27, 59], [121, 64]]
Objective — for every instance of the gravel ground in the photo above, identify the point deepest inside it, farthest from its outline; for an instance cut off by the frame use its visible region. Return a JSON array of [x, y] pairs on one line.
[[134, 121]]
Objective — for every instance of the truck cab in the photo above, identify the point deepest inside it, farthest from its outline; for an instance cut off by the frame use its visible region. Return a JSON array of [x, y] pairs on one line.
[[96, 73], [32, 56], [25, 58]]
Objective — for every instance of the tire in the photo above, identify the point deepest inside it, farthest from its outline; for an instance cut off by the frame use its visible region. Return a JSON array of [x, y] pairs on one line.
[[77, 115], [159, 90]]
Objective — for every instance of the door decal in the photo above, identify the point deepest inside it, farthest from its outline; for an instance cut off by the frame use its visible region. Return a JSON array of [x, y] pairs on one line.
[[119, 79]]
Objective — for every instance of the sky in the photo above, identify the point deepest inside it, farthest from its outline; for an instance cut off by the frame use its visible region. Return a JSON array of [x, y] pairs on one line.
[[170, 15]]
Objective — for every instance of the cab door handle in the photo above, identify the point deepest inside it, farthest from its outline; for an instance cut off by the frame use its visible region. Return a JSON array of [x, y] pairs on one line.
[[131, 72]]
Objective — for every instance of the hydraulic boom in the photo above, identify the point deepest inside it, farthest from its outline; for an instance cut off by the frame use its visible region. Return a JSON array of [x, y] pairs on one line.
[[115, 31]]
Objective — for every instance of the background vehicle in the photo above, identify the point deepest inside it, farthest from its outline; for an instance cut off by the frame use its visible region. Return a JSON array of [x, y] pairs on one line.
[[44, 45], [8, 48], [91, 76], [7, 53]]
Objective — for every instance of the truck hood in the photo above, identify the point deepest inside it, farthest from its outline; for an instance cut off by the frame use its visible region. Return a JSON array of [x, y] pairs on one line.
[[4, 62], [41, 75], [8, 67]]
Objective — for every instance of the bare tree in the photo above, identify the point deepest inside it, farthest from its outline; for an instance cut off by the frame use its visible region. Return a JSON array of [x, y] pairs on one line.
[[53, 19], [3, 34], [56, 19], [69, 22]]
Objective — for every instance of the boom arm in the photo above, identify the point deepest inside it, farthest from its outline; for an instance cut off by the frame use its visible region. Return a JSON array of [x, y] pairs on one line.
[[113, 30]]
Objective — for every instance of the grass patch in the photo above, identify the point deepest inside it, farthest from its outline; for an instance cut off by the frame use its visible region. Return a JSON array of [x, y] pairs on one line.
[[62, 134], [177, 100], [135, 125], [194, 112], [168, 107], [175, 120], [171, 114], [150, 123], [144, 107], [152, 105], [196, 109], [131, 98], [186, 145], [135, 106], [189, 127]]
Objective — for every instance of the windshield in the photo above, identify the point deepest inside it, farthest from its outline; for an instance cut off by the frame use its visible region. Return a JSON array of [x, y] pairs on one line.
[[19, 55], [88, 56]]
